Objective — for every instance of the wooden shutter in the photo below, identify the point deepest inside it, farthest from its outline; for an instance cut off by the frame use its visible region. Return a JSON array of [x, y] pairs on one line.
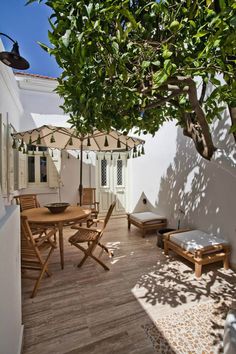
[[54, 167], [10, 157], [22, 171], [3, 156]]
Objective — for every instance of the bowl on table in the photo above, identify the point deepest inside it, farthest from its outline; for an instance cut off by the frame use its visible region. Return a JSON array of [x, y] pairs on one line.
[[57, 208]]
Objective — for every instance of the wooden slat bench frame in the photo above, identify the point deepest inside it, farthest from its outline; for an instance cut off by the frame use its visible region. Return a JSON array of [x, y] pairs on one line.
[[205, 255], [146, 226]]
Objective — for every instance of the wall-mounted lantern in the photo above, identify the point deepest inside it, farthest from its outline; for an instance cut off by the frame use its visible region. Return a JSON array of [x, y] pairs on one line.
[[13, 58]]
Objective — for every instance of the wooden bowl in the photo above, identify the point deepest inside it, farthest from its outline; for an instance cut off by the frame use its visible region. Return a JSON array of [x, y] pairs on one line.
[[57, 208]]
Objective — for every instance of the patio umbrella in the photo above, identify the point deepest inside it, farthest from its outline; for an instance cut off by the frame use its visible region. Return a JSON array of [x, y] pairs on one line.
[[69, 139]]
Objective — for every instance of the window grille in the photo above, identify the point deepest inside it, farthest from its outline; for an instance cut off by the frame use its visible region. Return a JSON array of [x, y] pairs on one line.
[[119, 173], [103, 173]]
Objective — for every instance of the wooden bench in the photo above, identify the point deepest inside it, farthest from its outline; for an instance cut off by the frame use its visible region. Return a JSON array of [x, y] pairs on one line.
[[197, 247], [146, 221]]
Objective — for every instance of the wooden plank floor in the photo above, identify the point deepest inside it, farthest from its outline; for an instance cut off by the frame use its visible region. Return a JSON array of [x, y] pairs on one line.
[[89, 310]]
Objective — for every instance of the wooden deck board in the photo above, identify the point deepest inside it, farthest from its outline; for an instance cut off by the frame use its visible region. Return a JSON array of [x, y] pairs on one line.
[[88, 310]]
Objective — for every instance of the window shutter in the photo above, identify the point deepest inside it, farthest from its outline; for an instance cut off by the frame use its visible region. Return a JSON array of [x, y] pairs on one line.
[[3, 156], [22, 176], [54, 166], [10, 156]]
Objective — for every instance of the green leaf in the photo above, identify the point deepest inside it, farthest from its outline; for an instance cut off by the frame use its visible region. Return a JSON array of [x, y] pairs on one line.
[[44, 46], [115, 46], [156, 63], [222, 5], [233, 129], [130, 17], [174, 26], [167, 54], [159, 78], [89, 9], [66, 38], [200, 34], [145, 64]]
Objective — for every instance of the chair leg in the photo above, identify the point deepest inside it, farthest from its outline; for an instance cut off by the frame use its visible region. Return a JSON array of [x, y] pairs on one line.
[[88, 253], [100, 262], [82, 261], [110, 253], [41, 274]]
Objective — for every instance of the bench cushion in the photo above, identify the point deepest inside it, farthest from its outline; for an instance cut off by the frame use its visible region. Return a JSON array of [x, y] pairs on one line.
[[147, 217], [195, 240]]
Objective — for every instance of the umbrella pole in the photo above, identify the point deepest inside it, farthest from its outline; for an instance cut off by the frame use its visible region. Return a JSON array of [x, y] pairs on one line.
[[81, 166]]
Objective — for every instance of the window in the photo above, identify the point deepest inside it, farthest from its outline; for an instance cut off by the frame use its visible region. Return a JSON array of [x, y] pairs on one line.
[[119, 177], [37, 165], [103, 173], [31, 169]]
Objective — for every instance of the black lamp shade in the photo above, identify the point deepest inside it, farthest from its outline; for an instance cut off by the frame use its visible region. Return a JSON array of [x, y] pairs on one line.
[[13, 58]]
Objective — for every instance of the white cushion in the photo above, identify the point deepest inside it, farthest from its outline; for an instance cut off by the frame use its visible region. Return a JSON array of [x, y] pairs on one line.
[[147, 217], [196, 239]]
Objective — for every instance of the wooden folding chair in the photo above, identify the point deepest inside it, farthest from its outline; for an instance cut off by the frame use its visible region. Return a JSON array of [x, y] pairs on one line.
[[92, 237], [35, 254], [89, 202], [27, 201]]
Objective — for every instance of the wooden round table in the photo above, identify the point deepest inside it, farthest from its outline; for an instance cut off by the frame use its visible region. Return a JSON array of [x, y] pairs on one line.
[[42, 216]]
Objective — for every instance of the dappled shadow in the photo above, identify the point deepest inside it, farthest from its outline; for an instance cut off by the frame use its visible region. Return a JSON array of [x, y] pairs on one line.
[[174, 283], [170, 293], [201, 188]]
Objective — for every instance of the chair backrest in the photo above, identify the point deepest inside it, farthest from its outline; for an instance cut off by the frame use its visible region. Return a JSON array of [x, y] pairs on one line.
[[109, 212], [29, 249], [27, 201], [89, 196]]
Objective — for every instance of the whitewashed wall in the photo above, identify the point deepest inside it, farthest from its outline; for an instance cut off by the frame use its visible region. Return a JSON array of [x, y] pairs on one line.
[[172, 175], [11, 329]]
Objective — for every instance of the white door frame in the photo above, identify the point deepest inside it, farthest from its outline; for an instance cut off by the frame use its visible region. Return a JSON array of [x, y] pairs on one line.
[[112, 187]]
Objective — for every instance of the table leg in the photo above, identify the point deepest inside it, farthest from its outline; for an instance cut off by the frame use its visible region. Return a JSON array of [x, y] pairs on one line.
[[61, 244]]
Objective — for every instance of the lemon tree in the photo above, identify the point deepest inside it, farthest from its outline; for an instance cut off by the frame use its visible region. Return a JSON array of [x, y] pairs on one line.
[[137, 64]]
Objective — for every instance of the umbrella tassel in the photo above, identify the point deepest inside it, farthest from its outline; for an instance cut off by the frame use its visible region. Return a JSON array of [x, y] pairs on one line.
[[38, 141], [106, 144], [14, 144], [52, 140], [118, 143]]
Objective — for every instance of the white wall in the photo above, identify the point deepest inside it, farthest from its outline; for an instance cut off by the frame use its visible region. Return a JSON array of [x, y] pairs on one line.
[[172, 175], [11, 329], [37, 96]]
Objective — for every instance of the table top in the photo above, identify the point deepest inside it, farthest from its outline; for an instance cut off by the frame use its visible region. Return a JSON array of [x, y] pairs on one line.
[[44, 216]]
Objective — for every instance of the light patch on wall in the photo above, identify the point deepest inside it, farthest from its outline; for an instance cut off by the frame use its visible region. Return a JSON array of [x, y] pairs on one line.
[[190, 178]]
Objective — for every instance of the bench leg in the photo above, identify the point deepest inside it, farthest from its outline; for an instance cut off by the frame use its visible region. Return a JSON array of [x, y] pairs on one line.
[[198, 270], [166, 249], [143, 233], [129, 223], [226, 262]]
